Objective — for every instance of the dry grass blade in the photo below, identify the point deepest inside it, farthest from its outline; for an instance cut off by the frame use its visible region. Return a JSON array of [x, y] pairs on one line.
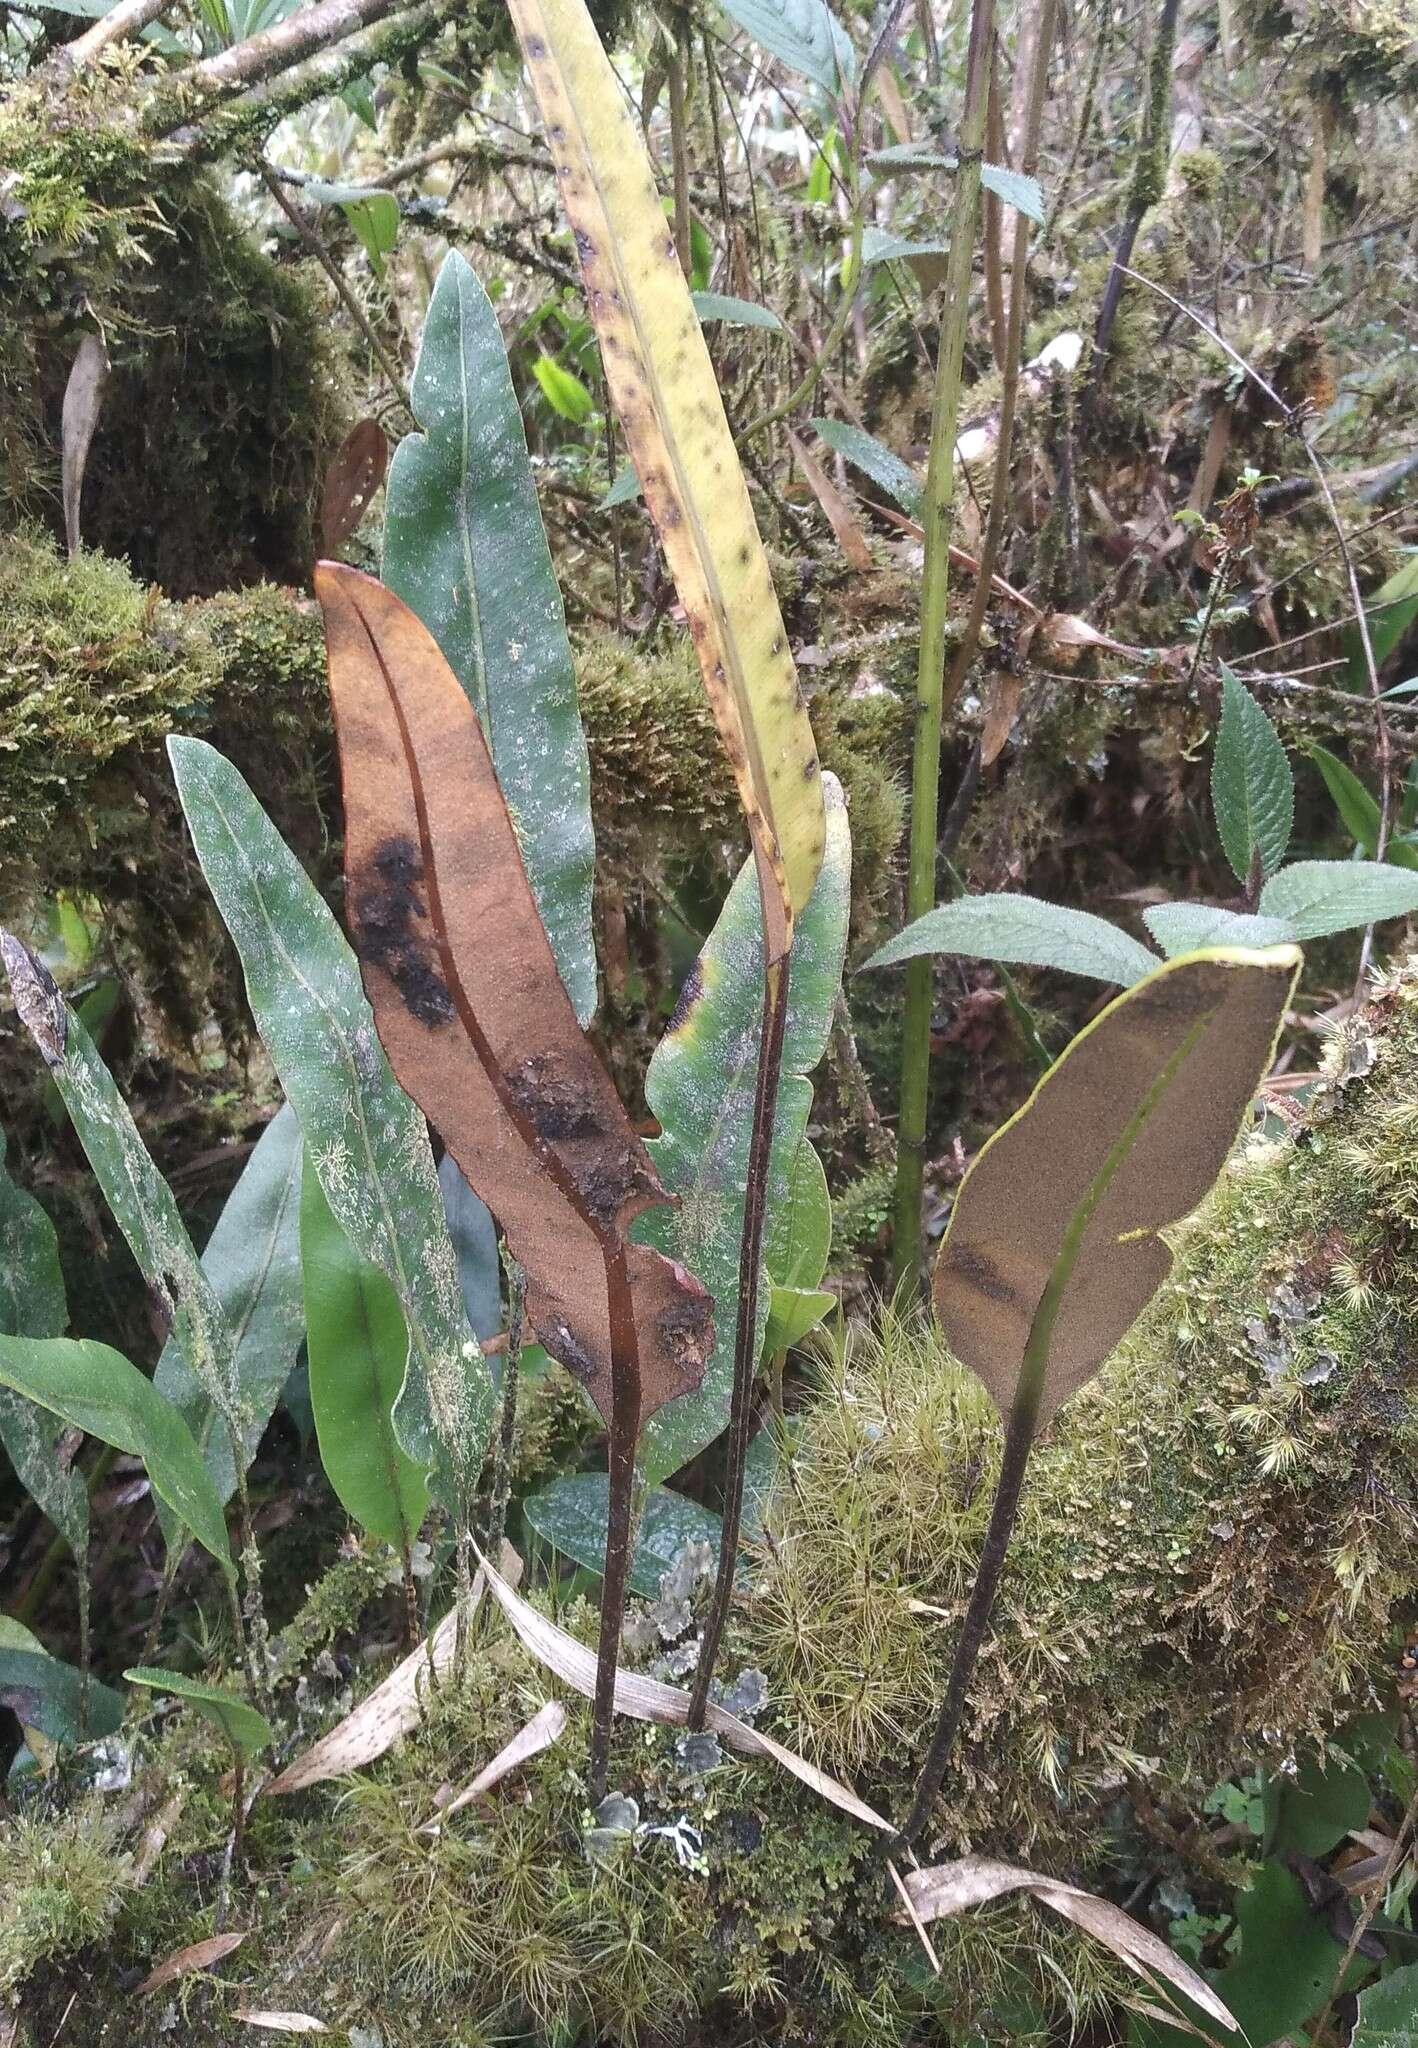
[[198, 1955], [391, 1710], [948, 1888], [472, 1011], [284, 2022], [545, 1727], [647, 1699]]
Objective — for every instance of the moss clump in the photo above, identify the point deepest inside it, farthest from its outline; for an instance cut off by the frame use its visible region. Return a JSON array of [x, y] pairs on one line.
[[63, 1885]]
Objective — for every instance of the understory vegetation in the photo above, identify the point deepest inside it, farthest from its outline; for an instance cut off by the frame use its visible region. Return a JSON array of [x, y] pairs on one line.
[[709, 1046]]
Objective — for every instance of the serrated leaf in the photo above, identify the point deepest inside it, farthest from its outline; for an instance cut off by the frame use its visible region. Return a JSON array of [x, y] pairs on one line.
[[911, 156], [700, 1085], [805, 34], [1023, 931], [734, 312], [1189, 927], [252, 1260], [1252, 788], [356, 1344], [879, 245], [1024, 194], [94, 1388], [887, 471], [1317, 897], [465, 548], [244, 1728], [32, 1304], [469, 1006], [1054, 1245], [570, 1514], [1388, 2012], [662, 384], [366, 1140]]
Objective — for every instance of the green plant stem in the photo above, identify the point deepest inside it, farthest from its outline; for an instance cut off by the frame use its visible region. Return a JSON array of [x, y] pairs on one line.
[[755, 1208], [930, 672], [1149, 174], [58, 1550], [817, 369], [1020, 1431]]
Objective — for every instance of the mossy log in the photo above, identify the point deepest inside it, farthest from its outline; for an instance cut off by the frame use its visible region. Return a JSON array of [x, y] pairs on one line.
[[1215, 1552]]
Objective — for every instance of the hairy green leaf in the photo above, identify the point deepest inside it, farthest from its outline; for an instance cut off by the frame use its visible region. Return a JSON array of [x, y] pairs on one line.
[[32, 1305], [1317, 897], [700, 1085], [96, 1389], [1026, 932], [1252, 788], [1023, 193], [356, 1345], [366, 1140], [806, 34], [1188, 927], [465, 548], [244, 1728], [879, 245], [252, 1260], [887, 471]]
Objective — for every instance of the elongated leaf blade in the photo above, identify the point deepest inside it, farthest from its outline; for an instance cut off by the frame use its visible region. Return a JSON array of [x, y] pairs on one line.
[[95, 1388], [140, 1199], [244, 1728], [1023, 931], [700, 1085], [351, 481], [1390, 611], [1122, 1138], [734, 312], [1252, 788], [49, 1695], [1388, 2012], [32, 1304], [471, 1010], [1317, 897], [662, 383], [474, 1236], [465, 548], [367, 1141], [571, 1513], [875, 460], [252, 1260], [356, 1344]]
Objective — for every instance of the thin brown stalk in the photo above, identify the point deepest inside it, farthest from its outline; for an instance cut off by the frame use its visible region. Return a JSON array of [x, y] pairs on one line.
[[624, 1432]]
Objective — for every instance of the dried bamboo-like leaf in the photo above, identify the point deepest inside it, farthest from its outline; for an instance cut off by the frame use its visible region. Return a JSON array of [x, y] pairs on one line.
[[546, 1726], [835, 509], [1062, 1212], [83, 402], [392, 1709], [647, 1699], [974, 1880], [471, 1009], [351, 481], [663, 386], [198, 1955], [284, 2022]]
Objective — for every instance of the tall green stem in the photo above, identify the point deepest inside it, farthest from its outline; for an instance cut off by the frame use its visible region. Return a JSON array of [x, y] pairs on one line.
[[930, 670]]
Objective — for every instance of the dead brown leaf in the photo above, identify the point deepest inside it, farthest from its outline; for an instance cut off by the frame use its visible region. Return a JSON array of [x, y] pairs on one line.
[[837, 512], [545, 1727], [1000, 714], [471, 1009], [83, 401], [352, 480], [198, 1955]]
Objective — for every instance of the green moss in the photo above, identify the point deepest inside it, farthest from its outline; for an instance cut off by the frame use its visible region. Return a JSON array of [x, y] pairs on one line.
[[63, 1884]]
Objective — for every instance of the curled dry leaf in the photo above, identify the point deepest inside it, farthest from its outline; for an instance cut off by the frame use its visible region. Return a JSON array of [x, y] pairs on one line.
[[663, 386], [392, 1709], [83, 401], [198, 1955], [351, 481], [545, 1727], [1064, 634], [1057, 1225], [647, 1699], [974, 1880], [471, 1009], [1000, 713]]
